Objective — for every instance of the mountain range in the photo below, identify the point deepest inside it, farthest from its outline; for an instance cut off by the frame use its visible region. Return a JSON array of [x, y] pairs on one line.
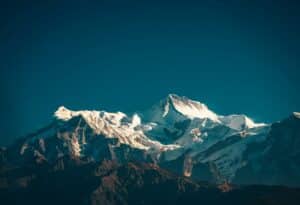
[[178, 143]]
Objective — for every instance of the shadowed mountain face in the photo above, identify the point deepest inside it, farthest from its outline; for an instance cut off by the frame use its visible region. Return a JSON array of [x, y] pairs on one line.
[[86, 157], [179, 134], [280, 159], [75, 181]]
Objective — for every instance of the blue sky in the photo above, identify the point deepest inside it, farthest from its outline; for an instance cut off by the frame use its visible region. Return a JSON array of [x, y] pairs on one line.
[[234, 56]]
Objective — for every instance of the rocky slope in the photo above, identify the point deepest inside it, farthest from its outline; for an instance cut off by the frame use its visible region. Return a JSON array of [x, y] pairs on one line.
[[179, 134], [78, 181]]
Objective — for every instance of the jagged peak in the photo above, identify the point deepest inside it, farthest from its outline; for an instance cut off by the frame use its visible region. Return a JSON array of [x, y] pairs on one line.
[[63, 113], [189, 108], [194, 109], [114, 125]]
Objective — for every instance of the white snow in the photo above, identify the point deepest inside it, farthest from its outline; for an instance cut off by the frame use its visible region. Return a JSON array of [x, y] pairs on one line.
[[147, 130], [75, 146], [166, 109], [63, 113], [112, 125], [23, 148], [136, 120], [297, 114], [191, 108], [239, 122]]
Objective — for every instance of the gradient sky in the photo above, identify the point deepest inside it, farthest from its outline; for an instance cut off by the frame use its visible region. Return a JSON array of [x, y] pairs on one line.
[[235, 56]]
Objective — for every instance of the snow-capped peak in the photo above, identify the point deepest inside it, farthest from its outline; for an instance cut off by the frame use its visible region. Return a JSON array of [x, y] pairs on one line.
[[91, 116], [115, 125], [170, 129], [239, 122], [63, 113], [175, 108], [297, 114], [190, 108]]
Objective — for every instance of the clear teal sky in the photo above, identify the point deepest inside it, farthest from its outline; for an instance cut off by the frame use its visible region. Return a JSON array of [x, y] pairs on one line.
[[237, 57]]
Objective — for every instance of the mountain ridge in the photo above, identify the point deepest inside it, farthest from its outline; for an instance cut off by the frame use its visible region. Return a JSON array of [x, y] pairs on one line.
[[222, 147], [77, 181]]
